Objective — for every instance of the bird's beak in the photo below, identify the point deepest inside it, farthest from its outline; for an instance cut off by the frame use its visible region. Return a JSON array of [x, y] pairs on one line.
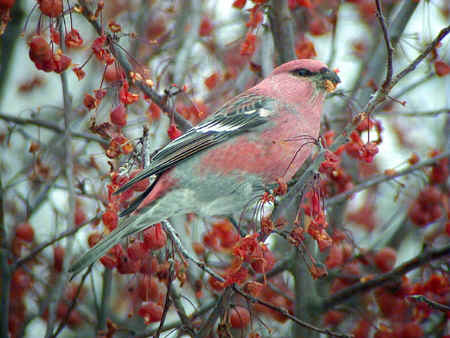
[[330, 79]]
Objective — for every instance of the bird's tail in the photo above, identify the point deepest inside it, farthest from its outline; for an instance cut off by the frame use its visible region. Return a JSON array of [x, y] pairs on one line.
[[102, 247], [132, 224]]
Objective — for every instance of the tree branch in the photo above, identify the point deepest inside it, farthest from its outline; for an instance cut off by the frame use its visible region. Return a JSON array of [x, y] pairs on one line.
[[173, 235], [377, 179], [51, 126], [154, 96], [44, 245], [282, 25], [344, 295], [288, 315], [387, 40], [381, 94]]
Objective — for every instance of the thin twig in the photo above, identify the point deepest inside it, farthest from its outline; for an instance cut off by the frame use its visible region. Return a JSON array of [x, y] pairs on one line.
[[288, 315], [381, 94], [51, 126], [176, 324], [154, 96], [73, 303], [431, 113], [374, 61], [52, 241], [334, 19], [179, 307], [221, 306], [57, 290], [379, 280], [431, 303], [167, 303], [377, 179], [412, 66], [5, 268], [176, 240], [387, 40]]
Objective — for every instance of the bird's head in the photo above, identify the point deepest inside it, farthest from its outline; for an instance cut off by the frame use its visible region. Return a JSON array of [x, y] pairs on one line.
[[313, 71], [302, 82]]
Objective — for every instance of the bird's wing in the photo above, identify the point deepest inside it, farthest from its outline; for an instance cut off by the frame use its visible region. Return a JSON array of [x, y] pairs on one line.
[[243, 113]]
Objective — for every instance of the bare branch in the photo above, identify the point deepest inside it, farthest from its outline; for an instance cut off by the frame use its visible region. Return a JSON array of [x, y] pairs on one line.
[[44, 245], [168, 301], [73, 303], [57, 291], [380, 95], [176, 240], [282, 26], [377, 179], [51, 126], [179, 307], [5, 268], [387, 41], [431, 303], [433, 45], [379, 280], [288, 315], [431, 113], [176, 324], [154, 96]]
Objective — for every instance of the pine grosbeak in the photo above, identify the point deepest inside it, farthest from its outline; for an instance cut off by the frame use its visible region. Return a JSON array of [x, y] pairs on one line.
[[219, 166]]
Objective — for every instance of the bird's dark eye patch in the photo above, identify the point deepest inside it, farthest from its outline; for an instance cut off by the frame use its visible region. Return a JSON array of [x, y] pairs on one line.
[[323, 70], [303, 72]]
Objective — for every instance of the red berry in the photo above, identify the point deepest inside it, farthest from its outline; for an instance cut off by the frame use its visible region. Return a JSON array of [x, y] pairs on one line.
[[136, 250], [51, 8], [155, 237], [265, 263], [89, 101], [62, 62], [149, 288], [119, 115], [80, 216], [385, 259], [335, 257], [127, 265], [7, 4], [151, 312], [25, 232], [206, 27], [109, 261], [39, 49], [211, 81], [319, 26], [239, 317], [173, 131], [94, 238], [215, 284], [114, 73], [239, 3], [441, 68], [73, 39], [110, 219], [149, 265], [58, 258]]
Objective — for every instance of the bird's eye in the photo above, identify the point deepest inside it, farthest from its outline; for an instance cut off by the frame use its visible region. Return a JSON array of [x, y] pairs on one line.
[[323, 70], [303, 72]]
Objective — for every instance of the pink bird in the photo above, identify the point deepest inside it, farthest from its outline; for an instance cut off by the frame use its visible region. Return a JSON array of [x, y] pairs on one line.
[[220, 165]]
